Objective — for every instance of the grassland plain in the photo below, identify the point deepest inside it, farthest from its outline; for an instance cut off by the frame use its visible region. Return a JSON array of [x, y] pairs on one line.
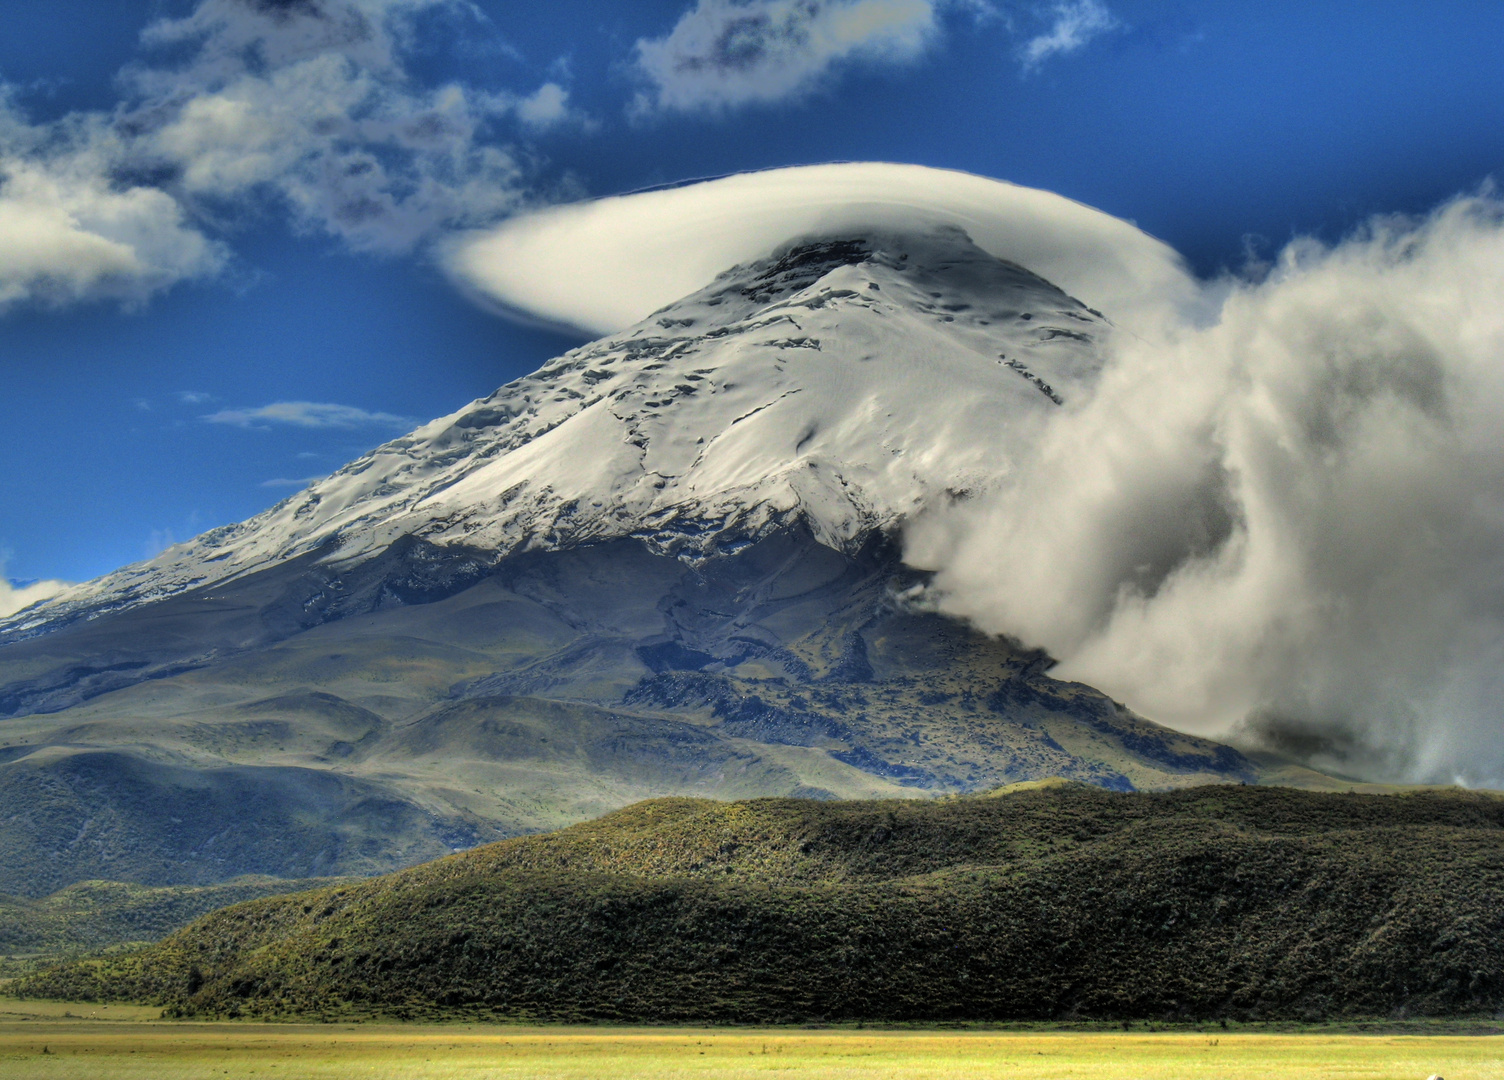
[[1063, 902], [85, 1046]]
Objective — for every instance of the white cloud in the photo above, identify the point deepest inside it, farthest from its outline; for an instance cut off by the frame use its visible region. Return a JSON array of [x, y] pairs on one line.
[[1286, 524], [285, 482], [602, 265], [726, 53], [730, 52], [311, 102], [308, 414], [379, 168], [545, 107], [1074, 24], [69, 232], [14, 597], [306, 103]]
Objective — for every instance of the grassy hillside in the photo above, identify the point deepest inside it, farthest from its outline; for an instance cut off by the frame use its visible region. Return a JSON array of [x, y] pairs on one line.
[[1049, 902], [94, 914]]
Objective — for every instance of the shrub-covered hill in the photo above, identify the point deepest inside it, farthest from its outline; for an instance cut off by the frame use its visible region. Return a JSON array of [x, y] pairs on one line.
[[94, 914], [1049, 902]]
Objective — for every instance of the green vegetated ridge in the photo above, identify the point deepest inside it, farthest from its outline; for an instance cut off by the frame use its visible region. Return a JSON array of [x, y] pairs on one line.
[[315, 720], [94, 915], [1046, 902]]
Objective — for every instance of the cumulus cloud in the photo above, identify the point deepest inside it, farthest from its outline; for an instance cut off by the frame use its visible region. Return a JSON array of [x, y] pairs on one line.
[[305, 104], [307, 414], [1285, 524], [70, 231], [730, 52], [1073, 24], [311, 102], [602, 265]]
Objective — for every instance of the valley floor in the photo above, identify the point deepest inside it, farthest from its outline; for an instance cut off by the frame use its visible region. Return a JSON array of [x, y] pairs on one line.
[[123, 1043]]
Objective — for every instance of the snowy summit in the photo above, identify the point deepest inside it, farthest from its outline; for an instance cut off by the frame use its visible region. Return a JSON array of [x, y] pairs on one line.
[[847, 381]]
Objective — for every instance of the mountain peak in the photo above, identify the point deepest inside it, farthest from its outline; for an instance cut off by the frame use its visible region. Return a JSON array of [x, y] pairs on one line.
[[843, 382]]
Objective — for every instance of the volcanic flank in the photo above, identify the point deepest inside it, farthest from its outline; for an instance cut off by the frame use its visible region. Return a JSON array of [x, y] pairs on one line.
[[665, 563]]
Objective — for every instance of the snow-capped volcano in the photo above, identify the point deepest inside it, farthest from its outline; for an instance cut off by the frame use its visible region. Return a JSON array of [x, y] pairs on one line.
[[663, 564], [846, 381]]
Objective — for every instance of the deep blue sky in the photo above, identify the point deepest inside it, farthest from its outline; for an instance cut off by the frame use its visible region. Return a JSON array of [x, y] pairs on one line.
[[1204, 123]]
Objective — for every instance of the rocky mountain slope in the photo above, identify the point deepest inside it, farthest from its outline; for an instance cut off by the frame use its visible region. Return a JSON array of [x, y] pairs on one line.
[[1063, 901], [843, 384], [666, 563]]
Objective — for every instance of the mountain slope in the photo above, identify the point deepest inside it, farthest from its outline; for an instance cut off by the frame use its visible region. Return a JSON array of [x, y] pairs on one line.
[[1063, 901], [666, 563], [559, 686], [842, 384]]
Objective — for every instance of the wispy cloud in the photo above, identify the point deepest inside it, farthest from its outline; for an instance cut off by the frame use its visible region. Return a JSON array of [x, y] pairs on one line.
[[308, 105], [194, 397], [15, 595], [307, 414], [285, 482], [1074, 23], [730, 52], [723, 54], [157, 541]]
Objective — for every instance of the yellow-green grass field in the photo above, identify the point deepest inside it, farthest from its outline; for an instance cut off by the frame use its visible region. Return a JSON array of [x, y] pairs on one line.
[[74, 1042]]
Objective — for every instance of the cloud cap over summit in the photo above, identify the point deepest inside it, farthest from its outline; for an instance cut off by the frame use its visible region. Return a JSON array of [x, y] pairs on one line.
[[603, 265]]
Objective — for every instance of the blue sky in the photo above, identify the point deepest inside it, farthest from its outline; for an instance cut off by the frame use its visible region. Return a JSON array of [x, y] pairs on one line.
[[217, 240]]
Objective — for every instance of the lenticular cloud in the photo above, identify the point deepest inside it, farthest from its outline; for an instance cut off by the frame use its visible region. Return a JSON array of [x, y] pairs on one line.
[[601, 266], [1287, 524]]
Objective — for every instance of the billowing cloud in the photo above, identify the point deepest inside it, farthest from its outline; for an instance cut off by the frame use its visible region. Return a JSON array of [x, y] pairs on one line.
[[308, 414], [1285, 524], [602, 265], [1073, 23], [730, 52], [305, 105]]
